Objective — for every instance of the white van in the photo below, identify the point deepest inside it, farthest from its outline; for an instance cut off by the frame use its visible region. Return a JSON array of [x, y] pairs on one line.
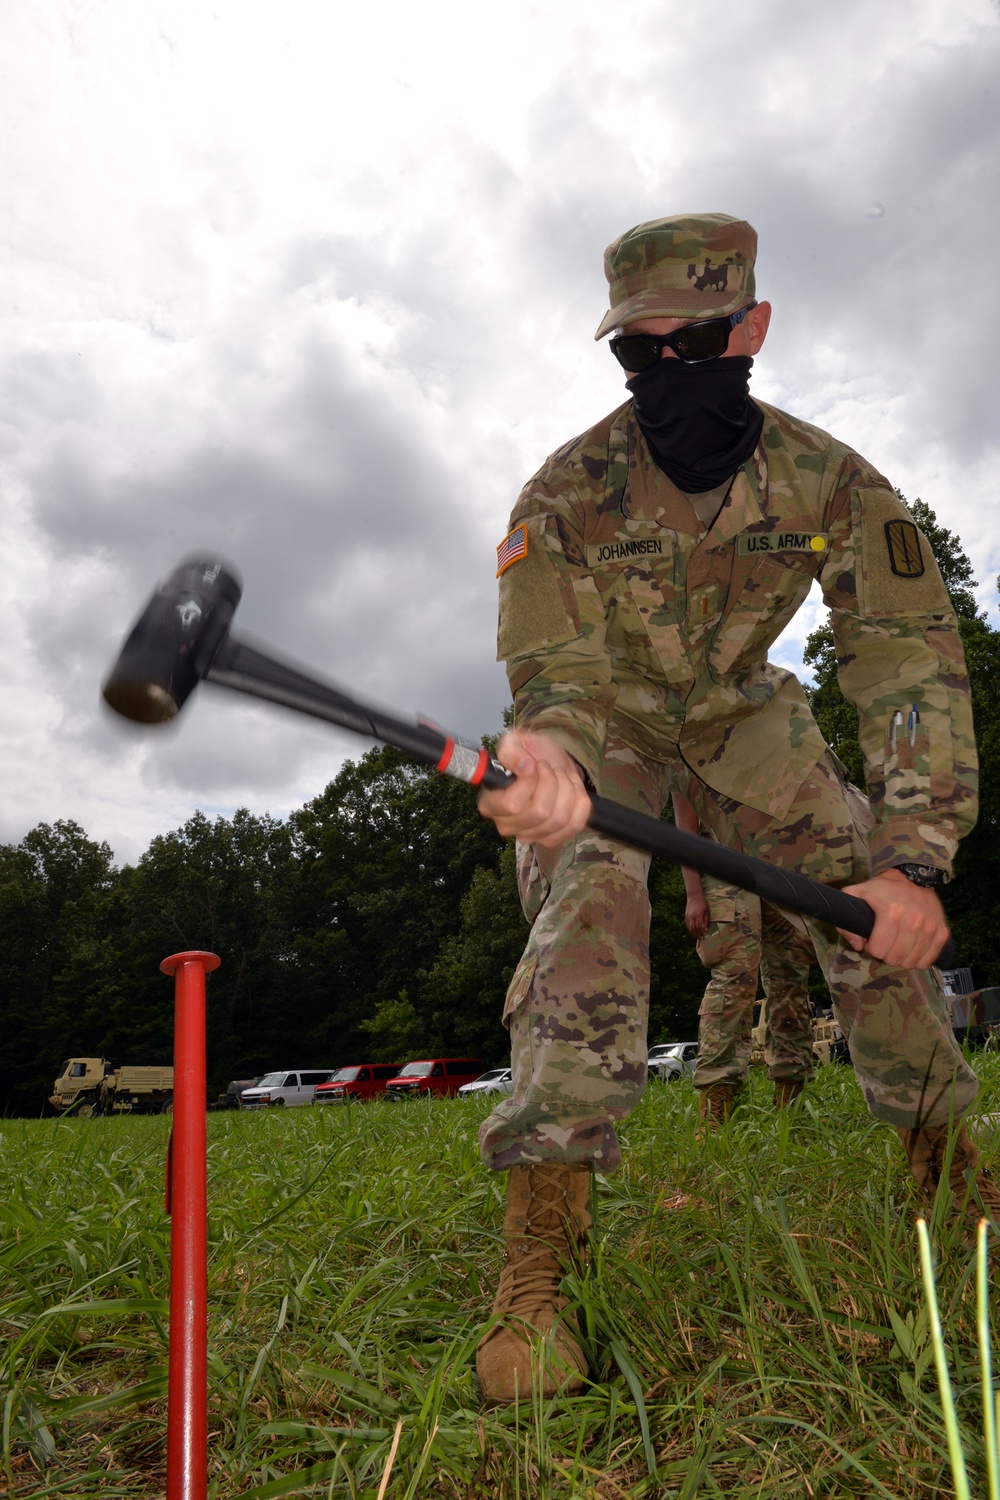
[[284, 1086]]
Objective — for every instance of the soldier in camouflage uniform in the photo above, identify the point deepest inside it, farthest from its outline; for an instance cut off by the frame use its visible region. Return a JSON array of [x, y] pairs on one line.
[[744, 937], [648, 567], [740, 937]]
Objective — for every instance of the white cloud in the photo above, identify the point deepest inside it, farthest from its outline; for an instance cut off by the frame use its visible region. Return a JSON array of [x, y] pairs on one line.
[[318, 286]]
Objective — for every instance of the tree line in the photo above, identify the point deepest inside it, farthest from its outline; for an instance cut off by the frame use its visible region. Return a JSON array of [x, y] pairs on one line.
[[378, 922]]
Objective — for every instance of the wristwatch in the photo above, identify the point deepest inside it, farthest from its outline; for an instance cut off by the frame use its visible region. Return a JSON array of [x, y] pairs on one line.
[[924, 875]]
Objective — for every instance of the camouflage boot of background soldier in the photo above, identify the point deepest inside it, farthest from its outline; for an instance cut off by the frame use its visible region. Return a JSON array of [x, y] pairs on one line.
[[535, 1347], [715, 1103], [927, 1150]]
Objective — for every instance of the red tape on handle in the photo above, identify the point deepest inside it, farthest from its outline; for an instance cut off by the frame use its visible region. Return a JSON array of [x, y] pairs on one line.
[[464, 762]]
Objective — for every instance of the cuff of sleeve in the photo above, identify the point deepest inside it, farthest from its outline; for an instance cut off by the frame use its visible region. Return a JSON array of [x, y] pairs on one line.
[[575, 741], [901, 841]]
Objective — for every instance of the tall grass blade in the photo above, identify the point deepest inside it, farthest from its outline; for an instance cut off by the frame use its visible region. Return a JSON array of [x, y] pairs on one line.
[[631, 1374], [390, 1461], [959, 1472], [985, 1359]]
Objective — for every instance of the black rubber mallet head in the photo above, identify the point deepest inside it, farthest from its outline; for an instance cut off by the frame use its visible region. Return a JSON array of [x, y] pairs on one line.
[[174, 641]]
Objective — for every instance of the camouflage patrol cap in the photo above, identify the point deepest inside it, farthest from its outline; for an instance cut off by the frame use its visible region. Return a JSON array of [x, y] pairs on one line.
[[691, 266]]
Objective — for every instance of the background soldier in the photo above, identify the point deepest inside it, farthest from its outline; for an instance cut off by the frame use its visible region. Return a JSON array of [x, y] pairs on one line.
[[649, 566], [744, 937], [740, 938]]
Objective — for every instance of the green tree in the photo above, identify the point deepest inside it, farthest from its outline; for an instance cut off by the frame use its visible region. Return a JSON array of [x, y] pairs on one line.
[[972, 899], [956, 569], [837, 719], [385, 854], [224, 886], [399, 1033], [54, 890], [467, 985], [221, 886], [677, 975]]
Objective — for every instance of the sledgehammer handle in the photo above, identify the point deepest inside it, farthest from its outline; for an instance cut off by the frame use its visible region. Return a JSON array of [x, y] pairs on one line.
[[782, 887]]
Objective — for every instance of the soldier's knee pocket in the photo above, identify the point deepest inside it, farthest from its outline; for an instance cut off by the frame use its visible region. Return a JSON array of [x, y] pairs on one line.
[[519, 989], [716, 945]]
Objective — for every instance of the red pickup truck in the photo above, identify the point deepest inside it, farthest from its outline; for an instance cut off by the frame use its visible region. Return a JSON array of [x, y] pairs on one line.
[[433, 1075], [359, 1081]]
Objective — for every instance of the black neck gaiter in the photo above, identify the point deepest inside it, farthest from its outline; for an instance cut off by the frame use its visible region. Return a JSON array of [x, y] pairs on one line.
[[699, 420]]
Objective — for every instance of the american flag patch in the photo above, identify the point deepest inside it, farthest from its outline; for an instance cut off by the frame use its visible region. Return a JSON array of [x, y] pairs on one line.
[[512, 549]]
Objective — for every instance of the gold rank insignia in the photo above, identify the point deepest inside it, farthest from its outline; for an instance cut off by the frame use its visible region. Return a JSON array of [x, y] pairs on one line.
[[903, 541]]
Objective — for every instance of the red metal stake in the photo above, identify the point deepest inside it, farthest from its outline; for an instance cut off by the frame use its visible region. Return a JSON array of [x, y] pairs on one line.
[[187, 1385]]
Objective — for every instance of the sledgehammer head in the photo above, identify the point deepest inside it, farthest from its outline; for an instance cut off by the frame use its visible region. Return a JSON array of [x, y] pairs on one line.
[[174, 641]]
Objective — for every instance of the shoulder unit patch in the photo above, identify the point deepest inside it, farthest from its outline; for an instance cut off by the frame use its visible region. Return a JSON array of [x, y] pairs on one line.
[[903, 541], [513, 547]]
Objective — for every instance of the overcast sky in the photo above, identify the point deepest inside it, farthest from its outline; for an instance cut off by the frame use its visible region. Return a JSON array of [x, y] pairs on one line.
[[316, 284]]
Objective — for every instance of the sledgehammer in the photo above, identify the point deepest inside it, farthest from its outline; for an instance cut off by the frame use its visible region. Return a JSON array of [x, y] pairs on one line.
[[183, 637]]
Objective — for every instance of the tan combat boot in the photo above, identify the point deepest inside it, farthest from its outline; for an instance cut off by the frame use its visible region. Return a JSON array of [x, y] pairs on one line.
[[546, 1224], [786, 1091], [715, 1103], [926, 1149]]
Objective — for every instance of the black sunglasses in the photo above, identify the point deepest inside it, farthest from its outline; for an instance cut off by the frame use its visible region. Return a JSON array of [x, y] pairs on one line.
[[693, 344]]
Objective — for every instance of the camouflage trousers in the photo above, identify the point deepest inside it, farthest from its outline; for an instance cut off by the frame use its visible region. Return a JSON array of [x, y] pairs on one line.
[[745, 937], [577, 1004]]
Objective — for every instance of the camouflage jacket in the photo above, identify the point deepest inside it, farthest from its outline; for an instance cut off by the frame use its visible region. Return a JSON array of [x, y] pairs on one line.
[[617, 606]]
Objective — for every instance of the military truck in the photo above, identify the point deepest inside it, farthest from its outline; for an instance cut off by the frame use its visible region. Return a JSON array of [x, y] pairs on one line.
[[828, 1041], [91, 1086]]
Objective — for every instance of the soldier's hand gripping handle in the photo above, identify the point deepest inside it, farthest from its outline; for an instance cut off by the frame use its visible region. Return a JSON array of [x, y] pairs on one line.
[[539, 795], [910, 930]]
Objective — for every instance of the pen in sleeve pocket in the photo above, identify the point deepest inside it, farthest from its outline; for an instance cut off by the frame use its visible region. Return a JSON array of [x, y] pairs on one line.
[[914, 720]]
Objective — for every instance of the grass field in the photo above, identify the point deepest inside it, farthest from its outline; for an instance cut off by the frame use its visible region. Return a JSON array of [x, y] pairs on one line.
[[754, 1310]]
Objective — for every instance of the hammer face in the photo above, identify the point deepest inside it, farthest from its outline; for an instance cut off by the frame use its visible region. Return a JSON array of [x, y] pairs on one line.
[[143, 702], [173, 642]]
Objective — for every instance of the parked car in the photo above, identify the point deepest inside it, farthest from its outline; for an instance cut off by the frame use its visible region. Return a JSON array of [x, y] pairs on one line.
[[231, 1098], [494, 1081], [672, 1060], [433, 1075], [358, 1081], [284, 1086]]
